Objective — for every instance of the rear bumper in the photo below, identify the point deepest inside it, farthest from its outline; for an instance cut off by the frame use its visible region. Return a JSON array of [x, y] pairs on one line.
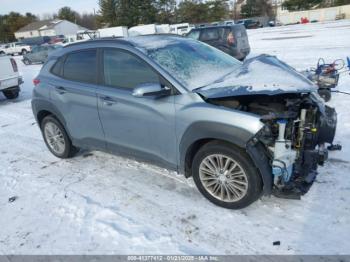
[[11, 82]]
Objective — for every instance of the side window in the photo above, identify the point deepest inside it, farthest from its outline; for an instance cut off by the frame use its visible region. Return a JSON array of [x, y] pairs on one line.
[[122, 69], [57, 67], [81, 66], [210, 34], [194, 34]]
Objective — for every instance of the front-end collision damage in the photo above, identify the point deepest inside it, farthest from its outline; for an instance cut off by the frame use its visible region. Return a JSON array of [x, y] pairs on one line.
[[297, 123], [294, 145], [291, 144]]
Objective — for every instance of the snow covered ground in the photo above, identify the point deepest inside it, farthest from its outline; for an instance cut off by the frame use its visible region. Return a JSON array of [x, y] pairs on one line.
[[98, 203]]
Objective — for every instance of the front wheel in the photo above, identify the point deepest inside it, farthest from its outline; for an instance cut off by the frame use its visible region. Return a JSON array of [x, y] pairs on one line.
[[226, 176], [26, 61], [11, 94], [56, 138]]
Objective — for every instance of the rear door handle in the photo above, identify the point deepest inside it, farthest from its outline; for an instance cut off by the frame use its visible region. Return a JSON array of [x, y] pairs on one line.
[[60, 89], [108, 101]]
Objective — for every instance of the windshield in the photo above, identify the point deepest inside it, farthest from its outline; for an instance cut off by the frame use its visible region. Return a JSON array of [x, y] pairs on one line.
[[193, 63]]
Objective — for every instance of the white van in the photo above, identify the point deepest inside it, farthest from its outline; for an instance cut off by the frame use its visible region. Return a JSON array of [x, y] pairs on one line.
[[181, 29], [9, 77], [117, 31]]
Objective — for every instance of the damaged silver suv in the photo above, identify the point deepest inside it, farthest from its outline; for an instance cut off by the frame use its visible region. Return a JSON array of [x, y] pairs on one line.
[[239, 129]]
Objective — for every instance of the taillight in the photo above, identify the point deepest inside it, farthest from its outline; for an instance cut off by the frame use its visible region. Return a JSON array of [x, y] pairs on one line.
[[230, 39], [36, 81], [14, 65]]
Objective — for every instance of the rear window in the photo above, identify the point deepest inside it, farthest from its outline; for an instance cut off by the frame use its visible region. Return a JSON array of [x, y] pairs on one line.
[[210, 34], [81, 66]]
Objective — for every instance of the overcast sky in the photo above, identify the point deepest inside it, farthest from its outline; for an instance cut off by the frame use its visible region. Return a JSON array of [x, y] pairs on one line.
[[40, 7]]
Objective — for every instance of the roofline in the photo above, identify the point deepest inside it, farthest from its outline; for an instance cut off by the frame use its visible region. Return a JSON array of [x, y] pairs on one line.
[[118, 40], [214, 26]]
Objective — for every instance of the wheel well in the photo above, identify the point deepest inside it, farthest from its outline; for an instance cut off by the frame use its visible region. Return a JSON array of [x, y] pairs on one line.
[[193, 149], [41, 115]]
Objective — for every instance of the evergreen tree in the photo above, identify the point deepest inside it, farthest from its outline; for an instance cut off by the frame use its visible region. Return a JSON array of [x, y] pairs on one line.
[[166, 11], [257, 8], [298, 5], [66, 13], [217, 10], [11, 22], [108, 15]]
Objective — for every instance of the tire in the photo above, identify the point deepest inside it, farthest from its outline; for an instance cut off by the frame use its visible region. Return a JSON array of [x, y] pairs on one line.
[[60, 146], [325, 94], [241, 186], [26, 61], [24, 52], [11, 94]]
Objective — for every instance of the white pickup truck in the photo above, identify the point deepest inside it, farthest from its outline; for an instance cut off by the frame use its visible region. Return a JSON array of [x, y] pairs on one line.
[[15, 48], [10, 80]]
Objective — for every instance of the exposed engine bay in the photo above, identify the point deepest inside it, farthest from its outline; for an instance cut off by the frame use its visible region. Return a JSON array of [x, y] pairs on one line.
[[297, 127]]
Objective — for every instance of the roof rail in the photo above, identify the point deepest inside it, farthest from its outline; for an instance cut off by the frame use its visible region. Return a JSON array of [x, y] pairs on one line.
[[119, 40]]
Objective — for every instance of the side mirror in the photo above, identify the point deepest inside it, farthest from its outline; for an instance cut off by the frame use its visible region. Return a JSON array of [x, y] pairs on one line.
[[150, 89]]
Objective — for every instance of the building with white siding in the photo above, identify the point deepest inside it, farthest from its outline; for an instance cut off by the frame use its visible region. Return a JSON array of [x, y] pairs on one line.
[[48, 28]]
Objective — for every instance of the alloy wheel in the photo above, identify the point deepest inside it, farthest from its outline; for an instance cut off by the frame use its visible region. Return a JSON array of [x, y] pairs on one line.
[[223, 178], [54, 138]]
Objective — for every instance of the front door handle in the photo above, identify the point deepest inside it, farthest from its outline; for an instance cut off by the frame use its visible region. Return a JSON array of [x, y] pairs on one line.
[[108, 101], [60, 89]]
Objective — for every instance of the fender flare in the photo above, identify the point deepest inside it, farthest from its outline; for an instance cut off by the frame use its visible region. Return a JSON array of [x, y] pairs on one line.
[[209, 130], [39, 105], [235, 135]]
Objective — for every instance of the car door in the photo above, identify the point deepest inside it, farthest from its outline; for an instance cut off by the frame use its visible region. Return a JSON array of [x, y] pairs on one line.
[[138, 126], [43, 54], [34, 55], [73, 94]]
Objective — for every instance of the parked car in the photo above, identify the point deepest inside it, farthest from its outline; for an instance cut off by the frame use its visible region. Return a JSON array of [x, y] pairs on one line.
[[16, 48], [10, 80], [39, 54], [250, 23], [226, 22], [180, 29], [239, 129], [274, 23], [37, 40], [231, 39]]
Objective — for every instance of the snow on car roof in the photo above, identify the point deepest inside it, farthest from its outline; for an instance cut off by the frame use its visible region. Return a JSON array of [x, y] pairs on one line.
[[149, 42]]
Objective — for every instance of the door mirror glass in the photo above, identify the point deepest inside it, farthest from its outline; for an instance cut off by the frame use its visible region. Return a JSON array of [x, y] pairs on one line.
[[150, 89]]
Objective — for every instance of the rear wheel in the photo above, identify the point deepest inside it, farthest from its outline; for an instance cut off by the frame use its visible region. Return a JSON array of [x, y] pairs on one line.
[[11, 94], [225, 175], [24, 52], [56, 138]]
